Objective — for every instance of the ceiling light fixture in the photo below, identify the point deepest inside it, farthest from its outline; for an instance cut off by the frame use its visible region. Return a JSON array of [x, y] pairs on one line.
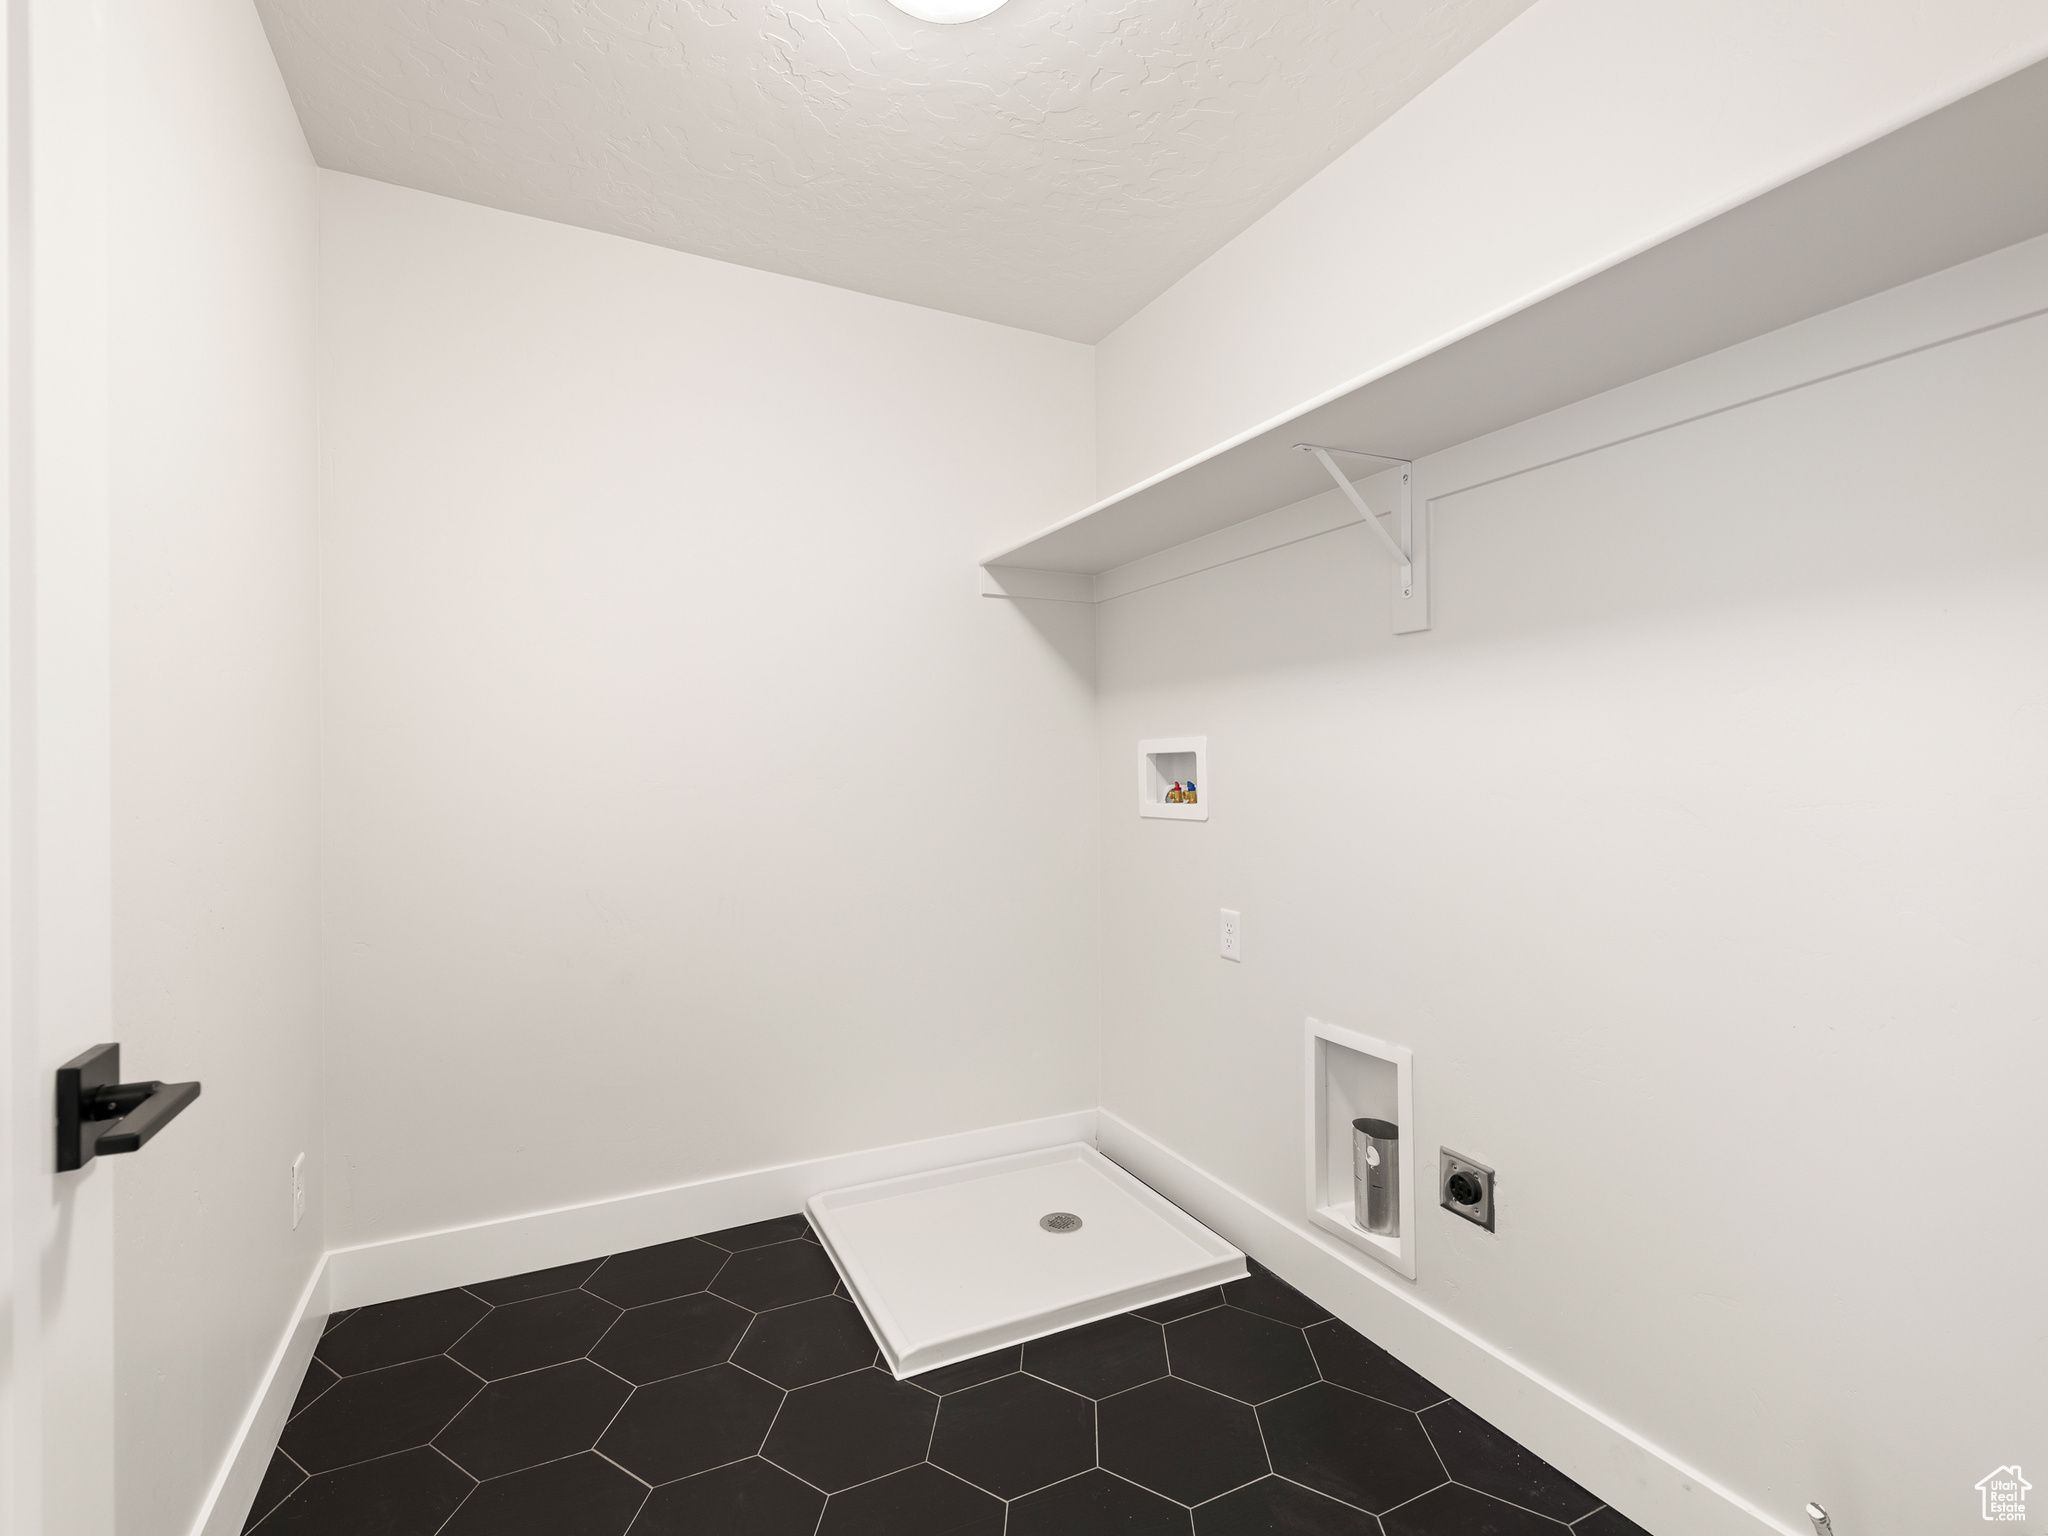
[[946, 10]]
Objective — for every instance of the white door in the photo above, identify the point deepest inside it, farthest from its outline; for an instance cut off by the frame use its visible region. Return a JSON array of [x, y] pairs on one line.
[[56, 1229]]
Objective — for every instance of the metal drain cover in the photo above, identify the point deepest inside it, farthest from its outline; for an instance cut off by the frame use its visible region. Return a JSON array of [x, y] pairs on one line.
[[1060, 1221]]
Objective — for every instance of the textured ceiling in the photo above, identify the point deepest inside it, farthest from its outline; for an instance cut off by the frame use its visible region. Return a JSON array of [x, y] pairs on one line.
[[1054, 166]]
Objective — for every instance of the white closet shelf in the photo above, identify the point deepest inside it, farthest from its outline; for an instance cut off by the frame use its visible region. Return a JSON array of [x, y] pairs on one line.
[[1956, 184]]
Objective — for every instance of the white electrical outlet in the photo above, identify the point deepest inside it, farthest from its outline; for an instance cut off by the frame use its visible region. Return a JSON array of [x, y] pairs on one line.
[[1230, 949], [298, 1190]]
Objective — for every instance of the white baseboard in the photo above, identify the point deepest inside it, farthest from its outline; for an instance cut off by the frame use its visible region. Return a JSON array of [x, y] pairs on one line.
[[1648, 1484], [433, 1261], [234, 1486]]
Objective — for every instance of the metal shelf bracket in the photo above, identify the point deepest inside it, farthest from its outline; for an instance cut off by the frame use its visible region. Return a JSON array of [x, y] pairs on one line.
[[1403, 517], [1401, 541]]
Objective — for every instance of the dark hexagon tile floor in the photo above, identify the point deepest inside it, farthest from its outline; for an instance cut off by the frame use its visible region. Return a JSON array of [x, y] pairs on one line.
[[689, 1424], [1014, 1436], [655, 1274], [1357, 1449], [1101, 1359], [811, 1341], [1096, 1504], [746, 1496], [526, 1420], [918, 1501], [851, 1430], [1273, 1504], [526, 1335], [723, 1386], [667, 1338], [1240, 1354], [1480, 1456], [378, 1413], [778, 1275]]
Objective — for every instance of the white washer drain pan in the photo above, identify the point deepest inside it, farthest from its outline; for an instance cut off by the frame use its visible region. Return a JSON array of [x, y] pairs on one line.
[[949, 1265]]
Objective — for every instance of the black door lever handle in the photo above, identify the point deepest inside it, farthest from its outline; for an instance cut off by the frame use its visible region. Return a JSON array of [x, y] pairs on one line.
[[156, 1106], [98, 1114]]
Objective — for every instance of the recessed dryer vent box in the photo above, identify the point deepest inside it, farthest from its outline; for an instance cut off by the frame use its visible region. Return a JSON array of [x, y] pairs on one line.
[[1173, 778], [1351, 1076]]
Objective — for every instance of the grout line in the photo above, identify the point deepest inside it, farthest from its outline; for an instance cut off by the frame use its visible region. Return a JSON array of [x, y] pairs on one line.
[[1126, 1391], [778, 1466], [384, 1456], [785, 1306], [635, 1520], [489, 1310], [474, 1484], [563, 1290], [295, 1412], [740, 1342], [701, 1472], [734, 1363], [956, 1477], [1226, 1493], [1070, 1478], [427, 1445], [531, 1371], [1321, 1494], [1439, 1455], [1112, 1472], [499, 1477], [1302, 1388], [1446, 1483], [773, 1418], [250, 1528], [608, 1423], [1511, 1504], [822, 1380], [722, 1263], [1070, 1392], [849, 1488], [341, 1376], [1237, 1401], [600, 1455], [1386, 1402]]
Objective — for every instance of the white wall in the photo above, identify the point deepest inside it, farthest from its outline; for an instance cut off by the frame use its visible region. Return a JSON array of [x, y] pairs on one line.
[[686, 809], [57, 1461], [1698, 852], [1582, 132], [213, 209]]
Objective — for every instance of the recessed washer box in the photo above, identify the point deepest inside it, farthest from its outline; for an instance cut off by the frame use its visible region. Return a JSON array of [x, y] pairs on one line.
[[952, 1264], [1167, 765]]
